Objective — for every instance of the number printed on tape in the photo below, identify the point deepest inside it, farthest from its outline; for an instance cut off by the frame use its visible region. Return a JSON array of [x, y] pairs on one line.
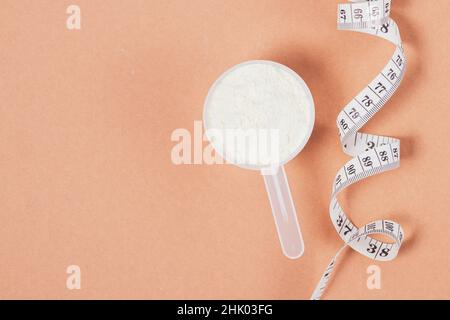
[[371, 154]]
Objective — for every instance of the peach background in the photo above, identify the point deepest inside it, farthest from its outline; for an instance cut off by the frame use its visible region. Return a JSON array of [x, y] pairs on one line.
[[85, 124]]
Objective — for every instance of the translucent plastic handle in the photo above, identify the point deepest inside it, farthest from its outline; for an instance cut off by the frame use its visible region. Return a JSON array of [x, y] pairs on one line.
[[284, 212]]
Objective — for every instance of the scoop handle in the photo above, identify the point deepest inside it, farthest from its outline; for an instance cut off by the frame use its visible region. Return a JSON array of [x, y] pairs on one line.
[[284, 213]]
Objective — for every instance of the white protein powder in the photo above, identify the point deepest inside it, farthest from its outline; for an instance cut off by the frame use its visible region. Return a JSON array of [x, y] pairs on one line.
[[262, 96]]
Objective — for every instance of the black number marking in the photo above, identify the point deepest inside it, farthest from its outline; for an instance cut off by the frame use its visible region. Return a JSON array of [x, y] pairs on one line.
[[380, 88], [388, 225], [343, 124], [392, 74], [347, 229], [339, 221], [367, 101], [385, 28], [384, 252], [395, 152], [372, 248], [353, 113], [371, 226], [351, 169], [367, 161], [384, 156], [370, 145]]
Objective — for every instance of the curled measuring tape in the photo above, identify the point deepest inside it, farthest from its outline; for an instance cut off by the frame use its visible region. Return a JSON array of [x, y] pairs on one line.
[[371, 154]]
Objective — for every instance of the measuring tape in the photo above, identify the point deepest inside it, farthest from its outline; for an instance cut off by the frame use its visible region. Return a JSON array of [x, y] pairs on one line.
[[371, 154]]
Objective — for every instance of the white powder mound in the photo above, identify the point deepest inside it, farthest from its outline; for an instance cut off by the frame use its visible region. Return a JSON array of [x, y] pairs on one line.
[[260, 96]]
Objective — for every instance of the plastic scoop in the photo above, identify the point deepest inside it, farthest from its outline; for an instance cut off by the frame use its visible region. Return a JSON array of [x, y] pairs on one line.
[[219, 110]]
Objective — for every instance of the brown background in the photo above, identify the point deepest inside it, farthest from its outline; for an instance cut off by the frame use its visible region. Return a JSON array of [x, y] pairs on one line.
[[85, 169]]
